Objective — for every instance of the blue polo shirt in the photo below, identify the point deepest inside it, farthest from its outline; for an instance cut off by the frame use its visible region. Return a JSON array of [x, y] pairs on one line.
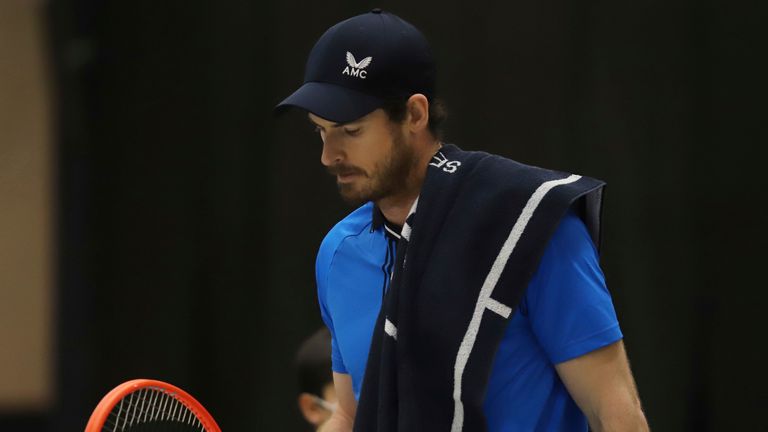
[[566, 312]]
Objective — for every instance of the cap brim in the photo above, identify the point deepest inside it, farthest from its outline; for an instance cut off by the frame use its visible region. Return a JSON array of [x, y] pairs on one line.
[[330, 101]]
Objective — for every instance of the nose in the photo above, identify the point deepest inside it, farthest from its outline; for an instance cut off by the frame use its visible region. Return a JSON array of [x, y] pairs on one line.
[[332, 154]]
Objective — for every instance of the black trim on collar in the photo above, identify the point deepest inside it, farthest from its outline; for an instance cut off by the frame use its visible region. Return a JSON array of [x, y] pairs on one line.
[[378, 220]]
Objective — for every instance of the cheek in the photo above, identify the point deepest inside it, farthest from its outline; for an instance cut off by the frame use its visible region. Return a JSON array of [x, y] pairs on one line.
[[365, 152], [329, 393]]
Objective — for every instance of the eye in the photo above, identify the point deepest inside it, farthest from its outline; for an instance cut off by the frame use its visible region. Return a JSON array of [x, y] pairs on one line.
[[352, 131], [318, 129]]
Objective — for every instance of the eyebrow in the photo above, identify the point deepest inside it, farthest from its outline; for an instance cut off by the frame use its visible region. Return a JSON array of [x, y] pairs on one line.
[[335, 125]]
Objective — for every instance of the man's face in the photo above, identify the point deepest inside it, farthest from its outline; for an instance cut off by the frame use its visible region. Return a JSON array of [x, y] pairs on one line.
[[370, 157]]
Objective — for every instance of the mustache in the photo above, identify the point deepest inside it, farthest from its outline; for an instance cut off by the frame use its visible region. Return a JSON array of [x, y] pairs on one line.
[[342, 169]]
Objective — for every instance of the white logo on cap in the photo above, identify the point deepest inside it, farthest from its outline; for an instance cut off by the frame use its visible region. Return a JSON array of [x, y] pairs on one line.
[[355, 68]]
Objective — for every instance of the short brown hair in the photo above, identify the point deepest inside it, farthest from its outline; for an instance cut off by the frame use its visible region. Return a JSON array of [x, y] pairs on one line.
[[396, 110]]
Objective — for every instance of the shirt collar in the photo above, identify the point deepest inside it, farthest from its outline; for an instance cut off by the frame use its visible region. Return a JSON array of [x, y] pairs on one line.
[[378, 220]]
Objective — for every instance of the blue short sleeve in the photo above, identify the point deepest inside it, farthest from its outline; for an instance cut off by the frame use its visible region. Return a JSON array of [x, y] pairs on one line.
[[567, 301], [322, 265]]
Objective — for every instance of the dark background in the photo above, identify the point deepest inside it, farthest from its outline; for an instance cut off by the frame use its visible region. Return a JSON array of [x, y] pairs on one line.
[[189, 217]]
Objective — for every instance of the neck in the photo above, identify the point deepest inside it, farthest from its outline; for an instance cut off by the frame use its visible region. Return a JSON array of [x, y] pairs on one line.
[[395, 207]]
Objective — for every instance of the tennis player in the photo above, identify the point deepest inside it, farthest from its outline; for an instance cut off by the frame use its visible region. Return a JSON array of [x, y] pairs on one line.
[[465, 292]]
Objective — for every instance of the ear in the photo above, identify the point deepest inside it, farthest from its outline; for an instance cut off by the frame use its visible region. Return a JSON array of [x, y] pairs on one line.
[[418, 113], [313, 413]]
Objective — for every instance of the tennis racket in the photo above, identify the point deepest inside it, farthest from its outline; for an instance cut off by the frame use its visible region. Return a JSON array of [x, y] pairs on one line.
[[145, 405]]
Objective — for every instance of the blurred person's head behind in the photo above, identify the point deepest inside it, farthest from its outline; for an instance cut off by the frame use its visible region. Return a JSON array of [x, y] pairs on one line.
[[317, 397]]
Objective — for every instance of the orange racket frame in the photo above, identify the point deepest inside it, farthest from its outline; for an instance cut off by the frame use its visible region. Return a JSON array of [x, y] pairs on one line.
[[108, 402]]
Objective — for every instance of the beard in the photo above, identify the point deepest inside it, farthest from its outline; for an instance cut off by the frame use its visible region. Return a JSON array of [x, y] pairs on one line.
[[388, 176]]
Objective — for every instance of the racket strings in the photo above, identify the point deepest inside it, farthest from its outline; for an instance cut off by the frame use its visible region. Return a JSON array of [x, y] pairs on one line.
[[151, 405]]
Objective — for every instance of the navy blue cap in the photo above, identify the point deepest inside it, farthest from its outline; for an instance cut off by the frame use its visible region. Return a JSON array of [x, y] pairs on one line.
[[359, 63]]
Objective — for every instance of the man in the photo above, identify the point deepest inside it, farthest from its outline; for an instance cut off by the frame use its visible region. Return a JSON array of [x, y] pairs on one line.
[[317, 397], [465, 294]]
